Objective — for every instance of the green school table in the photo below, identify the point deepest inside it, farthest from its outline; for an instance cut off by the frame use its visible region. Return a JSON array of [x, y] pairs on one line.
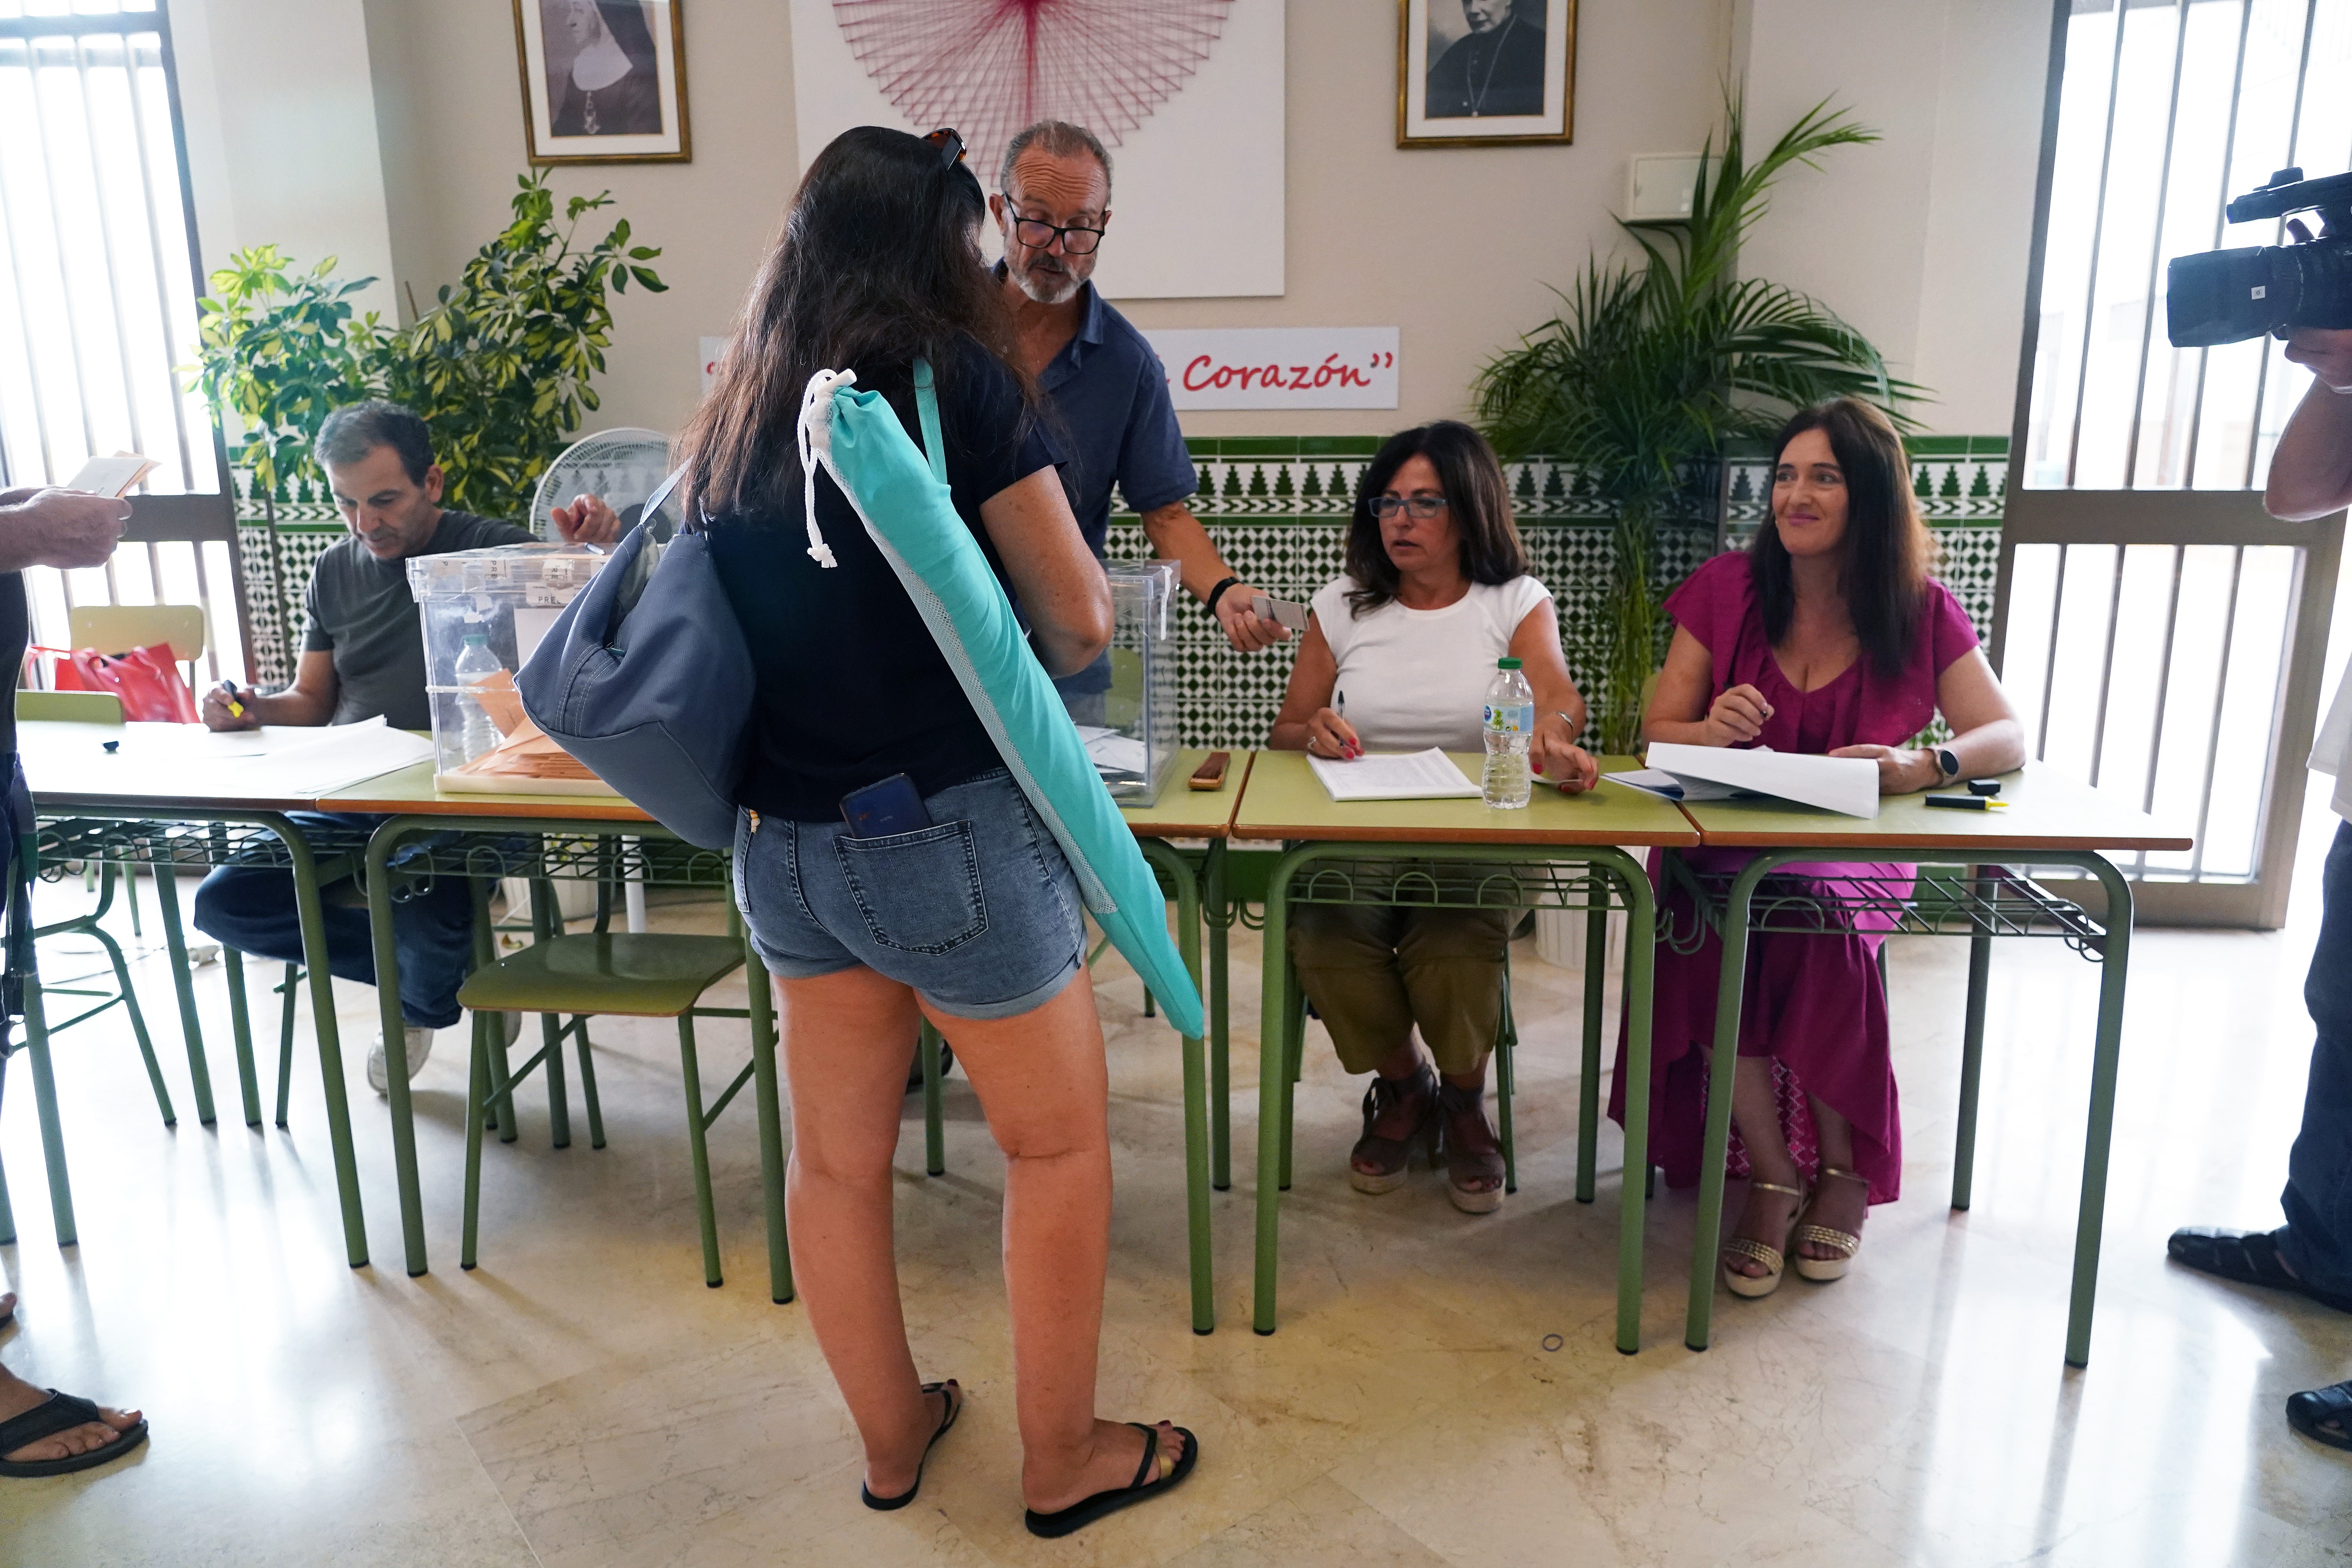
[[531, 835], [1562, 851], [155, 803], [2048, 821]]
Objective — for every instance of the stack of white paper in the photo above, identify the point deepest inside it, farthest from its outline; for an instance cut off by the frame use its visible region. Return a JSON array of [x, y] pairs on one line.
[[1846, 785], [1395, 776], [344, 754]]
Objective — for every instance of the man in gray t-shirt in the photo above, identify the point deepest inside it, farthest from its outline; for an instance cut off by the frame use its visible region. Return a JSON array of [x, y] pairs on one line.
[[363, 656]]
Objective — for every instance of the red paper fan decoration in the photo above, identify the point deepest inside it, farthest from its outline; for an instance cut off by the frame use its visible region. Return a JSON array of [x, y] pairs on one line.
[[990, 67]]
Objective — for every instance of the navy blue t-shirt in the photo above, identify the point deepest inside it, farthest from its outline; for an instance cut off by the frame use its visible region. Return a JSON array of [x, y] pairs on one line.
[[851, 687], [1110, 398], [1110, 402]]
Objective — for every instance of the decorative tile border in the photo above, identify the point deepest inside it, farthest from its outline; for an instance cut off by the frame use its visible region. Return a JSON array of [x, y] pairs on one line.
[[1276, 508]]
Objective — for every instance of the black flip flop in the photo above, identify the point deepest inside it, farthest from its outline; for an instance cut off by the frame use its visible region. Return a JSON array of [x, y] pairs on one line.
[[60, 1413], [1085, 1511], [2306, 1411], [2246, 1257], [955, 1408]]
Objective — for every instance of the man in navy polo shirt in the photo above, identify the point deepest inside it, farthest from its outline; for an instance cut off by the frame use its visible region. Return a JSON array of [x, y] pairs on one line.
[[1103, 380]]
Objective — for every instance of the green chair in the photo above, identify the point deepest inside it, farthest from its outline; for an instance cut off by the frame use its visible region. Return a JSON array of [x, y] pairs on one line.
[[629, 975]]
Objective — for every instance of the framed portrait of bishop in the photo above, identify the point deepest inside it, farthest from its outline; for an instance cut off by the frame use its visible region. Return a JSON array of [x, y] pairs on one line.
[[1480, 73]]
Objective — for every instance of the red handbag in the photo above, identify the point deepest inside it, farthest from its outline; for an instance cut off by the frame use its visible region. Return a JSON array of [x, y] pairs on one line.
[[146, 678]]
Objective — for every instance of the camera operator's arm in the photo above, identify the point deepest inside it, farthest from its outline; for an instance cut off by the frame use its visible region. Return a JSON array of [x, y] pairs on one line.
[[2311, 473]]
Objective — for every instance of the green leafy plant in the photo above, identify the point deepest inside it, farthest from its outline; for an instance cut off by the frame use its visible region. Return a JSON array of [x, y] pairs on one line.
[[1650, 370], [500, 368]]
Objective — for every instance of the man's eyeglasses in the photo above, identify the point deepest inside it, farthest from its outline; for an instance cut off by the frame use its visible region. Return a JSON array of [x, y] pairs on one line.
[[1038, 234], [1422, 507]]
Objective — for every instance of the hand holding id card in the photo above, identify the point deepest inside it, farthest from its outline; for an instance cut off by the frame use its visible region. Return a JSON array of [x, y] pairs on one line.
[[1283, 611]]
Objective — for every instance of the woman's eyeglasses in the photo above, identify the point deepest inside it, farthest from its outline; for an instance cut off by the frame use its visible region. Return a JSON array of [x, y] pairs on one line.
[[1038, 234], [1422, 507]]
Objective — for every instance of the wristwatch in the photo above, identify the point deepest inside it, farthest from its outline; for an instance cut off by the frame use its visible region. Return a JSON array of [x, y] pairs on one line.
[[1948, 765]]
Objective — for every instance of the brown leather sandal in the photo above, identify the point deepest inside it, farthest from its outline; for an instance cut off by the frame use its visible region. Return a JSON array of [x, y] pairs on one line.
[[1474, 1159], [1415, 1097]]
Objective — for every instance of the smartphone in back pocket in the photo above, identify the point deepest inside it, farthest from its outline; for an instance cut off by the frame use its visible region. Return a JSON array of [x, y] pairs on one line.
[[880, 810]]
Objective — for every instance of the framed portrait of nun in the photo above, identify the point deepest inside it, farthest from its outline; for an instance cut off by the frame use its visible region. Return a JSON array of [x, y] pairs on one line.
[[1485, 72], [604, 81]]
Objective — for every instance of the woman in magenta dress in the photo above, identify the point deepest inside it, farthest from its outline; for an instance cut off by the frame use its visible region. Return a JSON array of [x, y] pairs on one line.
[[1829, 637]]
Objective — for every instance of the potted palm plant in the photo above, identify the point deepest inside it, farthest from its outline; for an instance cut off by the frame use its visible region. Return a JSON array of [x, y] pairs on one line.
[[1651, 369]]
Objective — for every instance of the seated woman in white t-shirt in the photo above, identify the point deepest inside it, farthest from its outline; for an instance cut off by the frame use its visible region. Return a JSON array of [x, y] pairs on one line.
[[1437, 591]]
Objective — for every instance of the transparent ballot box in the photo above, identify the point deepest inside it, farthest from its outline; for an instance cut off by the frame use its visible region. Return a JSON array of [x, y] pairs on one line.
[[484, 612], [1125, 706]]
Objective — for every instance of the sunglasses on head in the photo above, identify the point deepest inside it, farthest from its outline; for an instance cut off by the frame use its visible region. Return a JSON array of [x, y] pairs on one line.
[[951, 146]]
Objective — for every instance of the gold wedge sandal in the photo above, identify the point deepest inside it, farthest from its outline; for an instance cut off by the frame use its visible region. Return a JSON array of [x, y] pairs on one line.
[[1773, 1260], [1822, 1271]]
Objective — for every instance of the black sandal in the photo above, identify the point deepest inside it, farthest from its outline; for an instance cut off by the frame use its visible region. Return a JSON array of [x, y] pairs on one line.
[[955, 1408], [2313, 1410], [2246, 1257], [1394, 1156], [61, 1412], [1085, 1511]]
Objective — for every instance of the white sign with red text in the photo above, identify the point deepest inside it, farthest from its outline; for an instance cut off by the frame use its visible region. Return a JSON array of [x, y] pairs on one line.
[[1278, 367]]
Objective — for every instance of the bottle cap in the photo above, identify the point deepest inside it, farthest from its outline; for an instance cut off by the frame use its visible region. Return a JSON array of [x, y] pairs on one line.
[[477, 639], [1506, 664]]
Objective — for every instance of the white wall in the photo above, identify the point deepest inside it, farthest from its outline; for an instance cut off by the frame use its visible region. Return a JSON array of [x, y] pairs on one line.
[[1921, 241], [279, 110], [391, 131]]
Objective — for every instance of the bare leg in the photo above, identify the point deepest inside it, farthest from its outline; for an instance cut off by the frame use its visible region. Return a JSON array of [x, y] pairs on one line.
[[1042, 1079], [16, 1396], [1837, 1203], [1766, 1216]]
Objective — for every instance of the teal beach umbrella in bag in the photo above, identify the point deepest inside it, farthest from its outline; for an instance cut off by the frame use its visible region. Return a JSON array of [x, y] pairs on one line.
[[902, 498]]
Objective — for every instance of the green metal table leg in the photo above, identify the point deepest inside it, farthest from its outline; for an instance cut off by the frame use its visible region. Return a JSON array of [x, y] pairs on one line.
[[289, 987], [175, 942], [763, 1009], [1220, 999], [2115, 966], [1196, 1092], [1588, 1087], [1506, 1037], [7, 1212], [313, 921], [546, 925], [1273, 1087], [1294, 1056], [697, 1129], [477, 1091], [241, 1027], [395, 1041], [935, 1151], [45, 1106], [1964, 1144], [1641, 955], [1729, 985]]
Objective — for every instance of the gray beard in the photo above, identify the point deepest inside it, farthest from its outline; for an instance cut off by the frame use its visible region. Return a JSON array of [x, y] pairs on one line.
[[1037, 290]]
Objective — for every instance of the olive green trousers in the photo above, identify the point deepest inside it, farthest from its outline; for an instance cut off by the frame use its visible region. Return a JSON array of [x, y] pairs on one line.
[[1374, 972]]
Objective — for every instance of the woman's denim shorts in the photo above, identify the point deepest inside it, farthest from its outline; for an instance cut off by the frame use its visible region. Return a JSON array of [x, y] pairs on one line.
[[978, 912]]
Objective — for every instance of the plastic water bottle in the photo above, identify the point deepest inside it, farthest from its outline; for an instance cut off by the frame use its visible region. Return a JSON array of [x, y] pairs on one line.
[[1510, 724], [478, 735]]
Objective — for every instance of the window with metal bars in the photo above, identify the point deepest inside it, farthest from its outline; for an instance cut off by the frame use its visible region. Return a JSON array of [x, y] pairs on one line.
[[97, 292], [2150, 613]]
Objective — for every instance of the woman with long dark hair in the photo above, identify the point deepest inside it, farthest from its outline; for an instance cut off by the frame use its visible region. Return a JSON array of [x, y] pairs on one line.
[[1435, 594], [1830, 637], [971, 918]]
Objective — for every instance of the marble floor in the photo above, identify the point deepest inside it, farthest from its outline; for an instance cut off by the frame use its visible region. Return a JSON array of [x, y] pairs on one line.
[[1442, 1389]]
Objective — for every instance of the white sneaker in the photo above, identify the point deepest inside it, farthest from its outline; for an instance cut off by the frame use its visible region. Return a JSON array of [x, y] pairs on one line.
[[420, 1046]]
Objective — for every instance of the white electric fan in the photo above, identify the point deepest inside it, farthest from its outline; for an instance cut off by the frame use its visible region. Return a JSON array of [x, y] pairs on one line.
[[623, 466]]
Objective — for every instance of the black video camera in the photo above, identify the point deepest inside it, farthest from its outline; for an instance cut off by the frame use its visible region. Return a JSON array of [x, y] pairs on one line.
[[2229, 295]]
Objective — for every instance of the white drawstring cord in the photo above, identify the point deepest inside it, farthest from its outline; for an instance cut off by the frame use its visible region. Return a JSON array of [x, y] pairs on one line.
[[814, 435]]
